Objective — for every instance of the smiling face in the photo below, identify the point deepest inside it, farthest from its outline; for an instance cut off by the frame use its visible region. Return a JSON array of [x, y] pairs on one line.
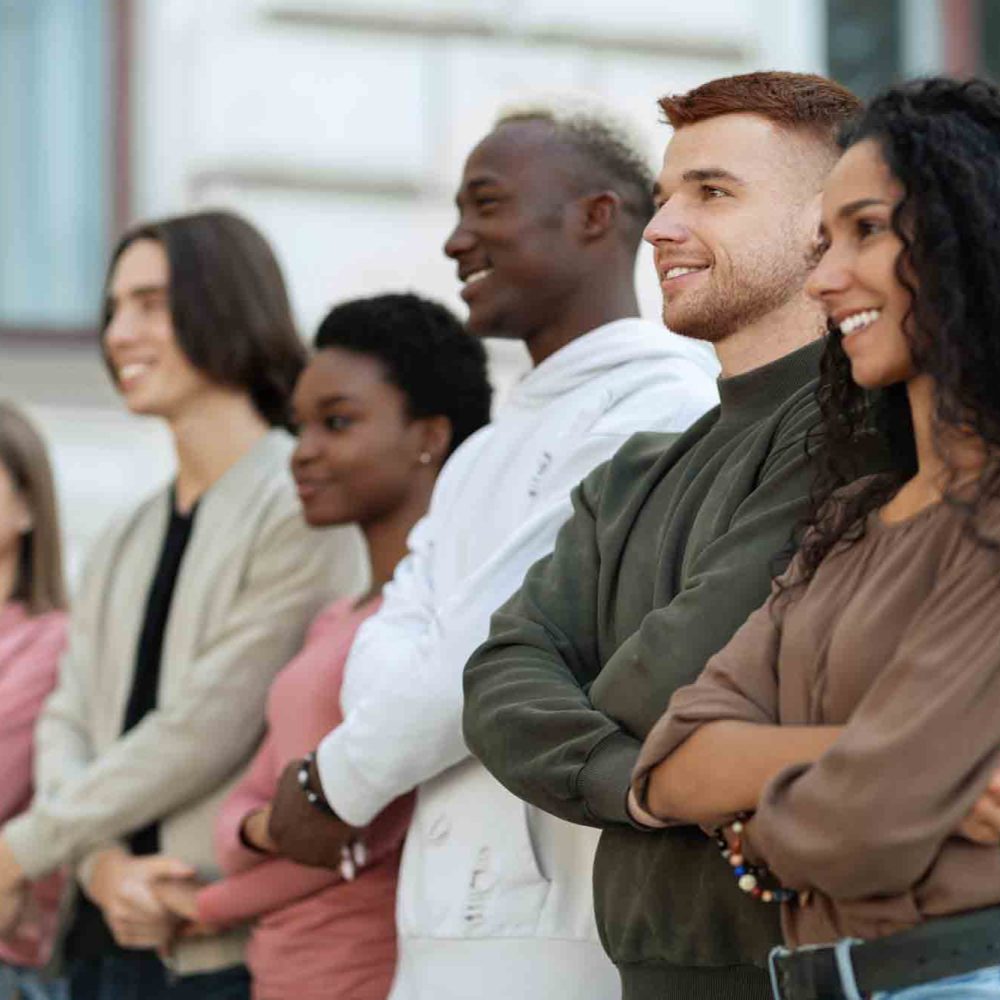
[[732, 229], [515, 257], [153, 374], [855, 280], [358, 451]]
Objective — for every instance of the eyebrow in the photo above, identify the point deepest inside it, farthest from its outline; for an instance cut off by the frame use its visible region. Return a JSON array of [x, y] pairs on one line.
[[711, 174], [856, 206], [333, 400], [475, 184], [139, 292]]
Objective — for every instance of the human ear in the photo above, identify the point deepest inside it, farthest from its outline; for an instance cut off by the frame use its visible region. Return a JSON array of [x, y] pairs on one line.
[[434, 439], [599, 214]]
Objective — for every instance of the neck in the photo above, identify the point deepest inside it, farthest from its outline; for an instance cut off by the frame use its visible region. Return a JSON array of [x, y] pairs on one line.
[[8, 573], [793, 325], [386, 536], [600, 302], [210, 436], [945, 456]]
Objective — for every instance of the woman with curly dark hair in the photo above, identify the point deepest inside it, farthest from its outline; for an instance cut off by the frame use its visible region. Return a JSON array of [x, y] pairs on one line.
[[855, 714]]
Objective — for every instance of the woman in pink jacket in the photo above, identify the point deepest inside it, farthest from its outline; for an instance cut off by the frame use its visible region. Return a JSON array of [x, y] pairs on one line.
[[32, 634], [395, 385]]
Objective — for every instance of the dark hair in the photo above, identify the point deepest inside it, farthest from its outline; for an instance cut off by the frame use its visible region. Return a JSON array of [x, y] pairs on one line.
[[605, 156], [426, 354], [228, 304], [796, 101], [40, 571], [941, 140]]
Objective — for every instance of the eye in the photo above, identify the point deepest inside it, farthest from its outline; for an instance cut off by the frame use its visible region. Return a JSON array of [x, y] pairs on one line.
[[815, 253], [710, 192], [869, 227], [337, 422]]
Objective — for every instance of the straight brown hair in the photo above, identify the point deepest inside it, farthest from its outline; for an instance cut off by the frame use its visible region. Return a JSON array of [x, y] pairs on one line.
[[23, 454], [229, 305]]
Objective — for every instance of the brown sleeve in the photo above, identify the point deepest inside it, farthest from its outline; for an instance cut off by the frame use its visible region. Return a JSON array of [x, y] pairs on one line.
[[870, 816], [739, 683]]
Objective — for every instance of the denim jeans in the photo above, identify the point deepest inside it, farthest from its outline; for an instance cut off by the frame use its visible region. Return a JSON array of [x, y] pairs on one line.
[[17, 983], [142, 976], [981, 985]]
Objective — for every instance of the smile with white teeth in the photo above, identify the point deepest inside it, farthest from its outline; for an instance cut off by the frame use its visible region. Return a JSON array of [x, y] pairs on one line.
[[859, 321], [132, 370], [676, 272], [478, 275]]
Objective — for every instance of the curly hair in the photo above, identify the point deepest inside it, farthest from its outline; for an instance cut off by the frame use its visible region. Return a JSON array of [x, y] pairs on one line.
[[940, 139], [425, 352]]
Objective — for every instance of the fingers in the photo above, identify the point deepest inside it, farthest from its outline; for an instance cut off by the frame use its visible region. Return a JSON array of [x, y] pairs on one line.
[[160, 866]]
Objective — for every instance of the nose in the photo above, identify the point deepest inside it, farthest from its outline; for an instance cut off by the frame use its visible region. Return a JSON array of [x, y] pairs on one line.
[[666, 226], [119, 331], [460, 241], [831, 275], [306, 447]]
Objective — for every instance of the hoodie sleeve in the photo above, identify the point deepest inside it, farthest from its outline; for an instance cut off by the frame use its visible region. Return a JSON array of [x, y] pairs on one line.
[[403, 683]]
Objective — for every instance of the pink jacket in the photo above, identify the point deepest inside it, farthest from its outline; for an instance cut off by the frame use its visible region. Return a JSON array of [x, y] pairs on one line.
[[30, 648], [314, 935]]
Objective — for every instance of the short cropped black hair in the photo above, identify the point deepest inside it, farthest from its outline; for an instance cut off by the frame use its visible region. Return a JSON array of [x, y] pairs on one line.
[[228, 304], [606, 155], [425, 351]]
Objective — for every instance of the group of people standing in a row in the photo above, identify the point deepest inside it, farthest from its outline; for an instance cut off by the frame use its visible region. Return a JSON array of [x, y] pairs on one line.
[[577, 592]]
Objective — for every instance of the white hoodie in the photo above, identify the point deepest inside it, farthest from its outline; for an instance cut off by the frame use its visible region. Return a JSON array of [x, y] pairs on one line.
[[494, 896]]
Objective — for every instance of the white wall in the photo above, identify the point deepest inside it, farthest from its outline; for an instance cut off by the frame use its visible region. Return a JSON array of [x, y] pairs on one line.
[[340, 127]]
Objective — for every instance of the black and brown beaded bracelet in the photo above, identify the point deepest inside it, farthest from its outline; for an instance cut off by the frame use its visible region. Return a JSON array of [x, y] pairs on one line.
[[749, 877]]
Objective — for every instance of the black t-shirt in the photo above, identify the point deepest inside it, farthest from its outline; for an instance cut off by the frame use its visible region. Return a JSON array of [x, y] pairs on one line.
[[89, 935]]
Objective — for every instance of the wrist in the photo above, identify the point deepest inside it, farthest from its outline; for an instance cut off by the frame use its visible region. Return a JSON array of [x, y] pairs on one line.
[[312, 786]]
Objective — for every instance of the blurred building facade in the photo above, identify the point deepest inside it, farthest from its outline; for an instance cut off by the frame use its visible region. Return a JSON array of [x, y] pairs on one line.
[[340, 128]]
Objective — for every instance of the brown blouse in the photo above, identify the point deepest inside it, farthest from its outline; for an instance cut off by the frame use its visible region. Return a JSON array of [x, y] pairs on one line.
[[897, 636]]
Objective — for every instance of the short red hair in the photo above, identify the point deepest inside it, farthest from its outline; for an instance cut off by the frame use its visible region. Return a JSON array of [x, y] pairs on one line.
[[797, 101]]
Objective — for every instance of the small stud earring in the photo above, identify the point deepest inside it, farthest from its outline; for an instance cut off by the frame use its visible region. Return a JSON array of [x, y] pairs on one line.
[[425, 458]]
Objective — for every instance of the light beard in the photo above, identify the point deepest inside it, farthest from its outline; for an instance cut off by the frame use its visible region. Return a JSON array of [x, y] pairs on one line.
[[751, 290]]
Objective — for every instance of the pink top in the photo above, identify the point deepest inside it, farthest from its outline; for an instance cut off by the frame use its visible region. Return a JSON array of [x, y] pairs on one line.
[[30, 648], [314, 935]]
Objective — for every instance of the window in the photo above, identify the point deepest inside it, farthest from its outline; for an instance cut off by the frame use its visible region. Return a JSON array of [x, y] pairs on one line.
[[56, 160], [864, 44]]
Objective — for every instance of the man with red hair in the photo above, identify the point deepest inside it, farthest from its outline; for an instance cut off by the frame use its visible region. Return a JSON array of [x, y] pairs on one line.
[[673, 542]]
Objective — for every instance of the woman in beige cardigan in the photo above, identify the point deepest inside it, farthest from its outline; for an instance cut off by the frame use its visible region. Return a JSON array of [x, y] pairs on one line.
[[188, 607]]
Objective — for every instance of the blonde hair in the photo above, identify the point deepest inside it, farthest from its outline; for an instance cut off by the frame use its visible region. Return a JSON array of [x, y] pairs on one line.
[[40, 573]]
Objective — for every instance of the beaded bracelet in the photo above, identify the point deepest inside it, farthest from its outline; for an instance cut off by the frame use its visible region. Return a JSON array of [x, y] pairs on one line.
[[313, 798], [353, 855], [748, 876]]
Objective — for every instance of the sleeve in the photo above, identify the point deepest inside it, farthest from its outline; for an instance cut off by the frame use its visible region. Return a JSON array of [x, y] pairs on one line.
[[571, 749], [23, 691], [403, 683], [739, 683], [184, 750], [271, 885], [854, 824], [254, 790]]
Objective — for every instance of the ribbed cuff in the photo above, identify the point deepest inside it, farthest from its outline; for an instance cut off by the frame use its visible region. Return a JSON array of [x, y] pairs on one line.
[[605, 779], [26, 843]]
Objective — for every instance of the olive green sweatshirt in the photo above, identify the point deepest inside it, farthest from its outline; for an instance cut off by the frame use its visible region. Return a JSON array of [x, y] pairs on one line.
[[671, 545]]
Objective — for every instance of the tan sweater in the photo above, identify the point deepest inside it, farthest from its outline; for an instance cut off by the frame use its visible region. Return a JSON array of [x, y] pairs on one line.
[[897, 637], [253, 577]]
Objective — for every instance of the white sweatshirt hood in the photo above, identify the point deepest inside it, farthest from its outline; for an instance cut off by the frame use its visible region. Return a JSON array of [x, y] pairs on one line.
[[622, 342]]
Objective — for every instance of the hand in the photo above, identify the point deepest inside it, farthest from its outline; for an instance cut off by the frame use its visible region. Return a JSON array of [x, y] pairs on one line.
[[12, 906], [300, 831], [642, 816], [124, 888], [254, 830], [982, 825], [179, 897], [11, 873]]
